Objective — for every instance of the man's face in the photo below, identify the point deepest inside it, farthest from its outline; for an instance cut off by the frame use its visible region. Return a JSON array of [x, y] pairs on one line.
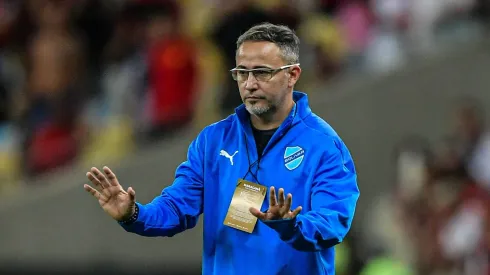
[[264, 97]]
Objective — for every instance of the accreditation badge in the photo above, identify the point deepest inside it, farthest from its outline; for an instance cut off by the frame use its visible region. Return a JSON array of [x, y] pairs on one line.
[[247, 194]]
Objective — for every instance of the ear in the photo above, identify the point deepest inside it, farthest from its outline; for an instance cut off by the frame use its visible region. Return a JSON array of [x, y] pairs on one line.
[[294, 75]]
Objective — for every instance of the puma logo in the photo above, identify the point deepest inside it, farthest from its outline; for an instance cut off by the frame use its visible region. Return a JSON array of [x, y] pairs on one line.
[[226, 155]]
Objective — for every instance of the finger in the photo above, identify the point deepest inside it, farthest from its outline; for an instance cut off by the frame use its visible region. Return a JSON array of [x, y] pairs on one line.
[[132, 194], [92, 191], [289, 202], [111, 176], [103, 180], [94, 180], [281, 196], [272, 197], [296, 212], [257, 213]]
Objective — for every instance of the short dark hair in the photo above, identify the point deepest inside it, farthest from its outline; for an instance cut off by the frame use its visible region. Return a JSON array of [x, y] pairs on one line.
[[285, 38]]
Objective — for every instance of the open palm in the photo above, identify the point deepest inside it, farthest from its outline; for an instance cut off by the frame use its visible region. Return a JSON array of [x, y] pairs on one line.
[[116, 202], [279, 208]]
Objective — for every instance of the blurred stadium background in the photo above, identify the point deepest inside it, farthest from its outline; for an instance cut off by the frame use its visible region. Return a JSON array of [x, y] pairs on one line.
[[129, 83]]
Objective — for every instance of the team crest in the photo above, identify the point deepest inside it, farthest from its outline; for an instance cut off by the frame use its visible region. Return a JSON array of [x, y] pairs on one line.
[[293, 156]]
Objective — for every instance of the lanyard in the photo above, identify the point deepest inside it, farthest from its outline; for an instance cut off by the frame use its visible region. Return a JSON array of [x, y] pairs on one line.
[[257, 162]]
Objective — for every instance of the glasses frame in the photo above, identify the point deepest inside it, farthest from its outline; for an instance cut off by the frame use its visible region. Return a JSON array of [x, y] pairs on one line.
[[273, 72]]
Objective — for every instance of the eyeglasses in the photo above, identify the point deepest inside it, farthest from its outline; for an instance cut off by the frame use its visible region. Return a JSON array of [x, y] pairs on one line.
[[260, 74]]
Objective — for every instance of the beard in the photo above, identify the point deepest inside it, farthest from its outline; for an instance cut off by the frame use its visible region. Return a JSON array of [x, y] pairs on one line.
[[263, 107], [258, 110]]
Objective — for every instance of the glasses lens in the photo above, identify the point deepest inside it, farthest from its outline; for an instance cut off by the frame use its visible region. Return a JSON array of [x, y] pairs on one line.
[[263, 75], [259, 75], [240, 75]]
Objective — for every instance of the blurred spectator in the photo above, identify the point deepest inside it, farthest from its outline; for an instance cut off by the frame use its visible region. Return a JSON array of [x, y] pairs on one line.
[[462, 234], [428, 17], [435, 222], [94, 21], [172, 71], [386, 50], [473, 140], [12, 75], [124, 69], [451, 240], [329, 7], [392, 225], [356, 22], [327, 44], [54, 91]]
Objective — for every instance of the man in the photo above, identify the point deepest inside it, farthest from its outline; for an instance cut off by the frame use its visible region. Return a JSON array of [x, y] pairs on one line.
[[272, 140]]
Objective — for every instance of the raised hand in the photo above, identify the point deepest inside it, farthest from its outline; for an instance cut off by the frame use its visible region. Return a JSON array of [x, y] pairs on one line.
[[116, 202], [278, 208]]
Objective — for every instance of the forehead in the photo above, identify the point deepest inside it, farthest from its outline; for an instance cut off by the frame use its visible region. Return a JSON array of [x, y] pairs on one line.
[[252, 53]]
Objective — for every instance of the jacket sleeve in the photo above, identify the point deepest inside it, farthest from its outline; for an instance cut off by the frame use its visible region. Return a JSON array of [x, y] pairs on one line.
[[179, 205], [334, 196]]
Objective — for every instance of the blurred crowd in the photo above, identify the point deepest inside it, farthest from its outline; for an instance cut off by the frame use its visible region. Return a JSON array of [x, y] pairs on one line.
[[90, 80], [436, 219]]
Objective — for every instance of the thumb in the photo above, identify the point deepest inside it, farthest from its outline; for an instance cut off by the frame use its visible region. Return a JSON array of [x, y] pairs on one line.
[[132, 194], [257, 213], [296, 212]]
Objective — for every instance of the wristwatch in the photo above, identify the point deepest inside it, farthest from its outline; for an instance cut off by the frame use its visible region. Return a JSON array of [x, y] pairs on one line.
[[133, 217]]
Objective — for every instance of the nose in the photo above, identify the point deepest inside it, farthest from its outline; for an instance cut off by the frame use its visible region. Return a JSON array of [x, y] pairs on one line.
[[251, 82]]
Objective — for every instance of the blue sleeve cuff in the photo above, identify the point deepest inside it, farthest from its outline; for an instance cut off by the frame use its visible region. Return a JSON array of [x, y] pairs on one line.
[[286, 227]]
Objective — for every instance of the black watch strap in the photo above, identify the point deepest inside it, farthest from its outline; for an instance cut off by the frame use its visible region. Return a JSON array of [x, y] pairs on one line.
[[133, 217]]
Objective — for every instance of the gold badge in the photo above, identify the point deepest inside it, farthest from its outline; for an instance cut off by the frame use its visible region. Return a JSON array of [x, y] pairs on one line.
[[247, 194]]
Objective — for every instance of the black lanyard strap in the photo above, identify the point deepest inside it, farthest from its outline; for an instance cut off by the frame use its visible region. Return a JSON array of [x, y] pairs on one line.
[[250, 165]]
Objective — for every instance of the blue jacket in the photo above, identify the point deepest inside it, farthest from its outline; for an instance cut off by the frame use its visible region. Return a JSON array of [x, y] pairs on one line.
[[305, 157]]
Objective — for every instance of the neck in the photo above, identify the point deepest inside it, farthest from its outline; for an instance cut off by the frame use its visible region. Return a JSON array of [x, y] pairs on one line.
[[273, 120]]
